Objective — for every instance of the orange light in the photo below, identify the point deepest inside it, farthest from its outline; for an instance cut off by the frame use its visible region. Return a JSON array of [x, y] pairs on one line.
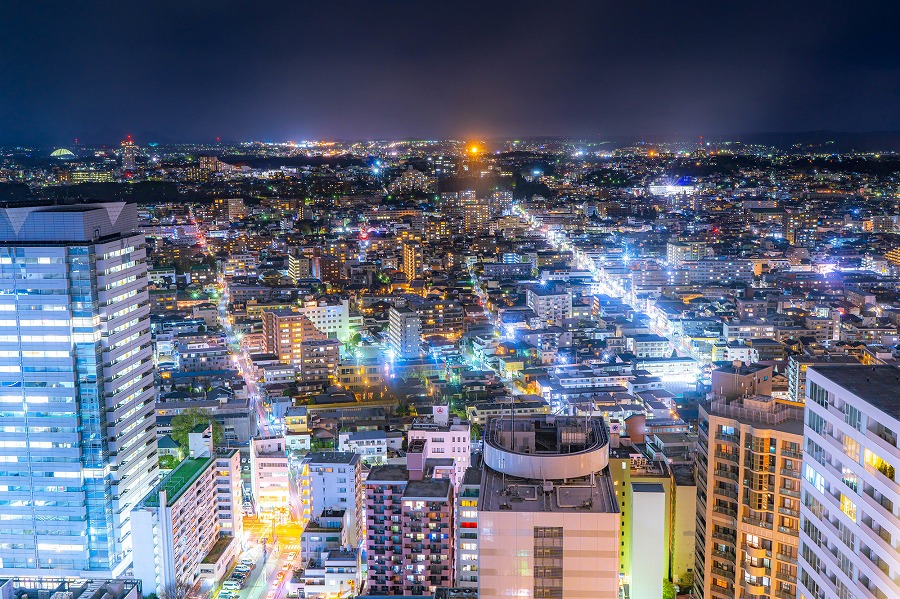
[[473, 149]]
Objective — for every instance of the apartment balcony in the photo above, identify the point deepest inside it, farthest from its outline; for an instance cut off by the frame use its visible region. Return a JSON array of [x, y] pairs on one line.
[[758, 571], [786, 576], [757, 522], [756, 552], [731, 457], [725, 493], [723, 572], [791, 559], [755, 589], [725, 511], [726, 438], [726, 538], [725, 474], [726, 555]]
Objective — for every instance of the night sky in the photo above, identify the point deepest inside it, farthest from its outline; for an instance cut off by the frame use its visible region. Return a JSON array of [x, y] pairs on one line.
[[193, 70]]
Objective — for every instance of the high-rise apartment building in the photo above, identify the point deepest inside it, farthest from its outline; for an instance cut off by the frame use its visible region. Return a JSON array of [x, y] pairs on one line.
[[850, 513], [333, 481], [179, 522], [236, 209], [551, 306], [409, 532], [466, 567], [285, 331], [404, 331], [548, 518], [319, 359], [412, 260], [76, 386], [129, 149], [748, 498], [269, 472]]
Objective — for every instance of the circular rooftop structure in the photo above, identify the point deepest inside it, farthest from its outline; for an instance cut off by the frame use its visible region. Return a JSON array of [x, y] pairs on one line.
[[62, 153], [546, 447]]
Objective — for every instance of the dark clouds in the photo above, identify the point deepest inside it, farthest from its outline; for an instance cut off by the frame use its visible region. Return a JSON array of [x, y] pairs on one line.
[[302, 69]]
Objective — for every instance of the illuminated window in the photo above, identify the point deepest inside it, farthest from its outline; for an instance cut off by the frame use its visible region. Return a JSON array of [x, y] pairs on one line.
[[848, 507], [877, 463]]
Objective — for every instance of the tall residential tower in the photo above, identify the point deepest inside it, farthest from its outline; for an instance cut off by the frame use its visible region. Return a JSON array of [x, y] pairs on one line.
[[76, 388]]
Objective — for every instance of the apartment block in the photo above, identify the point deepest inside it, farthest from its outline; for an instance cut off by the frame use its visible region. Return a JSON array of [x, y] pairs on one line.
[[748, 498], [333, 480], [269, 476], [177, 525], [850, 514], [466, 567]]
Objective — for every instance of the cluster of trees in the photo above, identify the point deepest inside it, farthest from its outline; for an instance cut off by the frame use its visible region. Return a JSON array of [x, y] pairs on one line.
[[182, 425]]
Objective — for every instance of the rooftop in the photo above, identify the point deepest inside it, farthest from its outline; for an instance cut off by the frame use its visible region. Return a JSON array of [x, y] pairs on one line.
[[177, 481], [435, 488], [388, 473], [331, 457], [76, 588], [876, 385], [507, 493]]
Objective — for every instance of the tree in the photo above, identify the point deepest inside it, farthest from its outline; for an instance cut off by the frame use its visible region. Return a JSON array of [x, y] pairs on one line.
[[686, 581], [184, 423], [668, 589], [175, 590], [168, 462]]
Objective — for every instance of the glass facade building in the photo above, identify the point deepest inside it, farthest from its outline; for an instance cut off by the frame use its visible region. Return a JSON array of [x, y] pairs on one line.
[[77, 422]]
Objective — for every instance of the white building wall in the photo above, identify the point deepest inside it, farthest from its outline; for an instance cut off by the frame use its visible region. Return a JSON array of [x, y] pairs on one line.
[[648, 540]]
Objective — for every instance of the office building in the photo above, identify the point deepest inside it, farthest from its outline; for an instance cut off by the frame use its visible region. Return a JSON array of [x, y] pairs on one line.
[[76, 384], [850, 519], [748, 497], [548, 519], [404, 332]]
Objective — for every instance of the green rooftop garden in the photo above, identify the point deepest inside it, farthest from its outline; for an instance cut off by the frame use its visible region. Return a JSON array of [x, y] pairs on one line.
[[175, 483]]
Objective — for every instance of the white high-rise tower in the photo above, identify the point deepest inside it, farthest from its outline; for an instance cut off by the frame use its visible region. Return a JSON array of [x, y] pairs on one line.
[[78, 446]]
